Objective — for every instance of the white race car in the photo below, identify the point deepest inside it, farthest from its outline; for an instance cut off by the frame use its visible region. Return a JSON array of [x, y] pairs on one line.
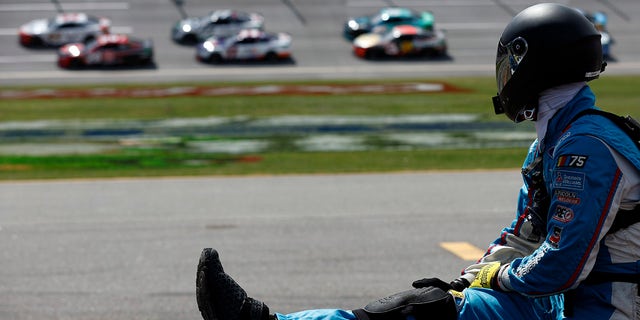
[[216, 23], [251, 44], [62, 29]]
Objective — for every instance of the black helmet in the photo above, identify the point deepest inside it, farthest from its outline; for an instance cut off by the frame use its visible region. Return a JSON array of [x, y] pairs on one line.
[[543, 46]]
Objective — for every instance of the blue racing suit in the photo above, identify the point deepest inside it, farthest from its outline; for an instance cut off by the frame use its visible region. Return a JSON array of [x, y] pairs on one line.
[[591, 170]]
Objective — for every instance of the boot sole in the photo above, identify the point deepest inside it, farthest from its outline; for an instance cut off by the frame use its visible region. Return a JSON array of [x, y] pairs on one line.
[[203, 296]]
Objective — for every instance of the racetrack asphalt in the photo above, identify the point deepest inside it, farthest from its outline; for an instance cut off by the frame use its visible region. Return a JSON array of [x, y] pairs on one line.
[[320, 52], [128, 248]]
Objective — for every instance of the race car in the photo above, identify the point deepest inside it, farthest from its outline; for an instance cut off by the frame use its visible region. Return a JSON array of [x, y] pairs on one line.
[[62, 29], [249, 44], [386, 19], [217, 23], [106, 50], [400, 41]]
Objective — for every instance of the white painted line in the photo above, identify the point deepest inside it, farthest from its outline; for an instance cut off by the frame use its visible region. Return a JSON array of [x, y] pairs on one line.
[[221, 72], [431, 4], [488, 69], [9, 31], [50, 58], [114, 29], [48, 6], [472, 25]]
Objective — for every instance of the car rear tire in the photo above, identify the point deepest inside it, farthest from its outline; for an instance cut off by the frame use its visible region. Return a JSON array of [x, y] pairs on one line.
[[215, 58], [189, 39], [75, 64], [31, 42], [374, 54], [271, 57], [146, 60]]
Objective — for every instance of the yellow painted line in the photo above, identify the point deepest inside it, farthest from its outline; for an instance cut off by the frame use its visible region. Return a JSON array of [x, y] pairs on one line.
[[464, 250]]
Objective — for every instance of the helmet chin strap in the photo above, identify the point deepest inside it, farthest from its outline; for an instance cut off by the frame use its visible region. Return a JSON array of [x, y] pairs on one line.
[[526, 114], [497, 105], [530, 114]]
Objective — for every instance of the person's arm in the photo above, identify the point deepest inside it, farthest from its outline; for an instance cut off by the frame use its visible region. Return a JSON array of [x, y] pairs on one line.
[[584, 185], [521, 238]]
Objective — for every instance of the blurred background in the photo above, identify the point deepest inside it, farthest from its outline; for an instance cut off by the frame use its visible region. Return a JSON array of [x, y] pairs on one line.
[[319, 49]]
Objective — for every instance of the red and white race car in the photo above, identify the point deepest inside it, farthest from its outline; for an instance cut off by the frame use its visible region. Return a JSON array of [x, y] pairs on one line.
[[62, 29], [401, 41], [107, 50]]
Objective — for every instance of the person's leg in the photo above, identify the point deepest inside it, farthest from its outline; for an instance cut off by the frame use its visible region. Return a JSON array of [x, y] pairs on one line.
[[219, 297], [321, 314], [495, 305]]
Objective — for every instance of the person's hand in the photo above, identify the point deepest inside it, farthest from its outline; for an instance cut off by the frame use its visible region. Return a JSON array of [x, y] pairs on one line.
[[431, 282], [487, 277], [458, 284]]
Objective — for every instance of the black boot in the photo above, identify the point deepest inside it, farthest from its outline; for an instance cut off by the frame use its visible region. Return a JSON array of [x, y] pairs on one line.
[[219, 297]]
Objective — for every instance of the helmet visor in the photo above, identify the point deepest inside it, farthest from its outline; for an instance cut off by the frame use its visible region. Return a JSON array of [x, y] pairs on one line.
[[508, 58]]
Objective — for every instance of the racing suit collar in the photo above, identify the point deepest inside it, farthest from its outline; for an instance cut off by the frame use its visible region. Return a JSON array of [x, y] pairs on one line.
[[584, 99], [550, 102]]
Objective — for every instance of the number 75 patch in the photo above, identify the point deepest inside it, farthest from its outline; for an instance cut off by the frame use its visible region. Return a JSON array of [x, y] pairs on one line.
[[572, 160]]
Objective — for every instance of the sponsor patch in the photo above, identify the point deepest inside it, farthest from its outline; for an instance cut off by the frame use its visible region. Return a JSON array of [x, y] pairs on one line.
[[563, 214], [569, 180], [533, 260], [572, 160], [564, 137], [566, 196], [555, 236]]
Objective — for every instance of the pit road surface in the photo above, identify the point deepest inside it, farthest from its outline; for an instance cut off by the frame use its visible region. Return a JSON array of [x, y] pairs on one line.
[[128, 249]]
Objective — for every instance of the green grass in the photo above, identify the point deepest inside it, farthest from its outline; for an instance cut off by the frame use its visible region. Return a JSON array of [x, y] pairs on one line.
[[614, 93], [155, 164]]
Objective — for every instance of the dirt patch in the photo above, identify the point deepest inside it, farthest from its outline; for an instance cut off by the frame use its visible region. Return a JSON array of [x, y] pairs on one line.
[[213, 91], [14, 167]]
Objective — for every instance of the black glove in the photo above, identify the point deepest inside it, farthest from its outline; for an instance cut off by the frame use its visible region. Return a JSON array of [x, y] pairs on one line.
[[431, 282], [457, 284], [460, 284]]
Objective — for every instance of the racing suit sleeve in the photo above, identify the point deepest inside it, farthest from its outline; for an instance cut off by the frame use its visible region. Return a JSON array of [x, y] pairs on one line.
[[583, 181], [518, 240]]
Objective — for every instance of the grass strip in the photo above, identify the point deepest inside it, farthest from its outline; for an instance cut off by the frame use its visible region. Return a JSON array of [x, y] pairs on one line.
[[157, 164], [617, 94]]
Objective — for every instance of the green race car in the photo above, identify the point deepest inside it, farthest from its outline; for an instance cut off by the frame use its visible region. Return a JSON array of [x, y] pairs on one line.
[[386, 19]]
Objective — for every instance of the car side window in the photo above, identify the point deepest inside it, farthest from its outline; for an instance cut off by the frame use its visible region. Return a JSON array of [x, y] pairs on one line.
[[67, 26], [223, 21], [109, 46], [404, 38], [247, 41]]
